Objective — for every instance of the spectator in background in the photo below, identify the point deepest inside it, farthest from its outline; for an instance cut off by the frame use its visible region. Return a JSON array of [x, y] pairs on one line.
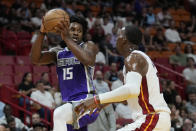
[[106, 120], [176, 119], [190, 74], [111, 75], [170, 93], [39, 127], [163, 17], [159, 40], [187, 125], [119, 81], [37, 120], [44, 97], [114, 36], [150, 18], [97, 32], [184, 33], [123, 110], [100, 58], [191, 103], [25, 87], [171, 34], [8, 113], [189, 51], [37, 19], [2, 105], [45, 80], [179, 58], [12, 124], [193, 118], [57, 96], [90, 19], [178, 102], [107, 25]]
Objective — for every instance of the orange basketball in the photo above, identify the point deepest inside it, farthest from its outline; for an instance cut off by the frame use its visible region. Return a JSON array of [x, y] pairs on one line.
[[53, 17]]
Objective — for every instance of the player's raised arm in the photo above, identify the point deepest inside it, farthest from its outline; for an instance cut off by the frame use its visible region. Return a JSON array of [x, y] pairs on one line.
[[85, 55], [37, 55], [136, 68]]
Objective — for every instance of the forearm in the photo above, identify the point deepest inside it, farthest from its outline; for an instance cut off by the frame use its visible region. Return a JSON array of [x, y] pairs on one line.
[[36, 49], [130, 90], [83, 56]]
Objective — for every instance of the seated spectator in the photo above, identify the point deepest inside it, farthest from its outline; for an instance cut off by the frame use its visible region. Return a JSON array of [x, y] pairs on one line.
[[123, 111], [178, 102], [43, 97], [45, 80], [8, 113], [100, 58], [150, 18], [57, 97], [107, 25], [163, 17], [176, 119], [184, 32], [12, 124], [111, 75], [97, 32], [191, 103], [189, 51], [25, 87], [36, 120], [193, 118], [37, 20], [171, 34], [2, 105], [179, 58], [119, 81], [100, 85], [170, 93], [187, 125], [90, 19], [159, 40], [190, 74], [39, 127], [106, 120]]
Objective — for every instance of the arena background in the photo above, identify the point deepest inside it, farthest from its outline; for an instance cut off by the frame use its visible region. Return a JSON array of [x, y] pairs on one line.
[[169, 38]]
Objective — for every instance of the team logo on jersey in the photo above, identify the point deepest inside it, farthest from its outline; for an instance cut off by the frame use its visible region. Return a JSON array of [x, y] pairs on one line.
[[67, 61]]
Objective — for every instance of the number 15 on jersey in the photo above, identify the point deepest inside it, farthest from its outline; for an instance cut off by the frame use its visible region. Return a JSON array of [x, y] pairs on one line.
[[68, 73]]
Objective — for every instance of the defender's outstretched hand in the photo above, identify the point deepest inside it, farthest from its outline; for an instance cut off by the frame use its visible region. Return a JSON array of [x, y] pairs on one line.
[[88, 105]]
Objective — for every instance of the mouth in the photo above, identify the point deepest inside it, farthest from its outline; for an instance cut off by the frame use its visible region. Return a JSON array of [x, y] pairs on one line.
[[75, 39]]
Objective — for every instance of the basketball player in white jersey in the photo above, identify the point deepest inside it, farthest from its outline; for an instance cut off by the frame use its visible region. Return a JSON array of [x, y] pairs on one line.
[[141, 89]]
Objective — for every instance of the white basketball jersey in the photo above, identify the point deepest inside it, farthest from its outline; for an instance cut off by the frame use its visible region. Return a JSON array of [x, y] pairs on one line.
[[150, 98]]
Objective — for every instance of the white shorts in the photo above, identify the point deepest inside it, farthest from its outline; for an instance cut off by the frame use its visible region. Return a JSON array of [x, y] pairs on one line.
[[152, 122]]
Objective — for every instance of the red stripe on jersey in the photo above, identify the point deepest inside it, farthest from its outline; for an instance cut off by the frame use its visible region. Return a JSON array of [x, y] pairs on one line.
[[150, 123], [143, 98], [154, 122]]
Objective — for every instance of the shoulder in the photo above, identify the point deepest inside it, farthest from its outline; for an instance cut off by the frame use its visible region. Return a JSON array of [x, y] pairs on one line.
[[55, 49], [137, 63]]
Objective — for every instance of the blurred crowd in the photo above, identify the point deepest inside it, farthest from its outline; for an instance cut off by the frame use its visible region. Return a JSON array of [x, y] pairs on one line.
[[159, 28]]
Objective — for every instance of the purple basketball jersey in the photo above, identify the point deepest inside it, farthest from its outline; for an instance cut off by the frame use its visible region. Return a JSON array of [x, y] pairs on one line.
[[75, 79]]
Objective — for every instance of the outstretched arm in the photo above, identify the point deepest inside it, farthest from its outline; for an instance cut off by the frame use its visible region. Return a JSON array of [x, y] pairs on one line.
[[136, 67]]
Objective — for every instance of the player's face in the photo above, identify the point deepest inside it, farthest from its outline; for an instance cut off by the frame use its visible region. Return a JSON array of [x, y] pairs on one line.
[[76, 32], [121, 40]]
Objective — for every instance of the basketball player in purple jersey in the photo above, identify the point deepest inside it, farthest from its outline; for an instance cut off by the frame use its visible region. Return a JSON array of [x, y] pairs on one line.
[[75, 67]]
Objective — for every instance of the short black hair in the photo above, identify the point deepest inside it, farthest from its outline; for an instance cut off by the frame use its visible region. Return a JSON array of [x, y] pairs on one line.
[[133, 34], [81, 21]]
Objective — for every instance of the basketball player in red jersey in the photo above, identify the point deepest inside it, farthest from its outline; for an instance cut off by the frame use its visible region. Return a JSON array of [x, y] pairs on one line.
[[141, 89]]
